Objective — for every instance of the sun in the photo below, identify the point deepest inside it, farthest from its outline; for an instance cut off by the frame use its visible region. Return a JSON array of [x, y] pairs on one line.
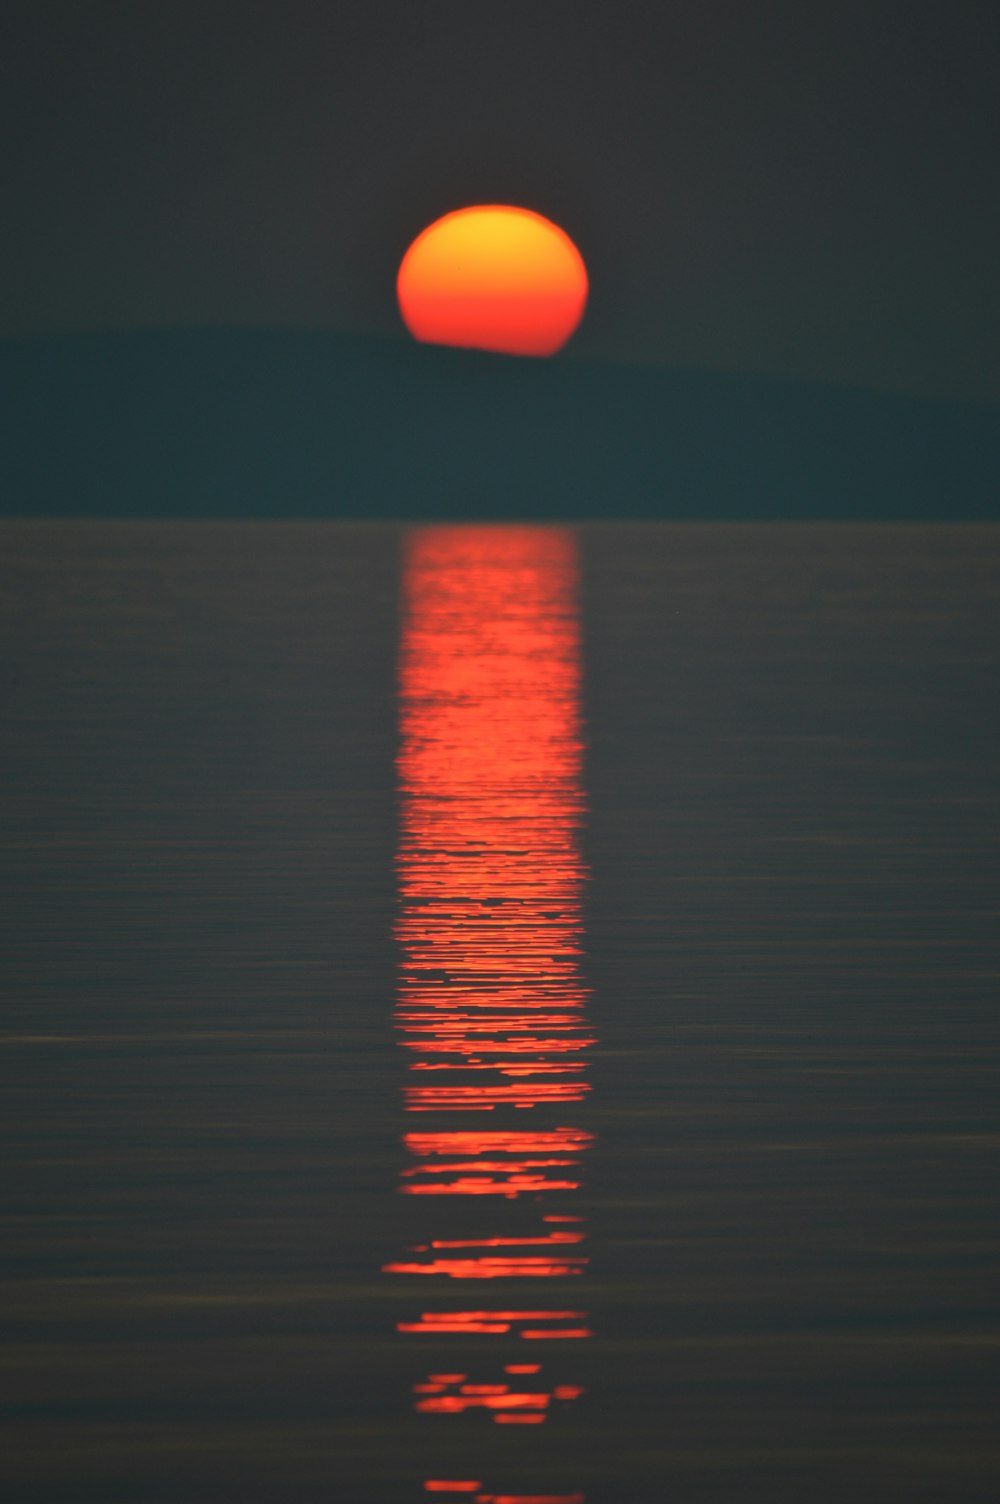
[[493, 277]]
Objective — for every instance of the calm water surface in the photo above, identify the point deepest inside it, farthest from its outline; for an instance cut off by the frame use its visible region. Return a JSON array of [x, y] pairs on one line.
[[506, 1014]]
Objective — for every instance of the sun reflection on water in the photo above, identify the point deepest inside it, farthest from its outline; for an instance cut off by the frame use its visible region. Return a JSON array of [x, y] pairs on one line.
[[490, 1007]]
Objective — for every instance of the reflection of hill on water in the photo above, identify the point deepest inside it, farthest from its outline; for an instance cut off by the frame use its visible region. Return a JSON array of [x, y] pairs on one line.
[[276, 423]]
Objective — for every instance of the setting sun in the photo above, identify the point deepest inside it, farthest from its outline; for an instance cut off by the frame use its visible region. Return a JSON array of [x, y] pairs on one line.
[[493, 277]]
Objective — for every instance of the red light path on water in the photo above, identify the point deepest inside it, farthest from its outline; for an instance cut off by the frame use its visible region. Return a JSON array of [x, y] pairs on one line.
[[493, 1268], [490, 775], [491, 999], [461, 1486], [505, 1404], [516, 1323]]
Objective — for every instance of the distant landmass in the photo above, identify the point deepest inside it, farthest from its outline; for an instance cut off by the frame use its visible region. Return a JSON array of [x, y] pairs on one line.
[[285, 424]]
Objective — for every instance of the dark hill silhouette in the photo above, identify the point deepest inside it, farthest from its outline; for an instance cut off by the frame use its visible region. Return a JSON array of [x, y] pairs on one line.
[[252, 423]]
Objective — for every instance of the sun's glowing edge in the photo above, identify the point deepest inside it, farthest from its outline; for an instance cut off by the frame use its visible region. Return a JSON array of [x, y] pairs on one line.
[[495, 277]]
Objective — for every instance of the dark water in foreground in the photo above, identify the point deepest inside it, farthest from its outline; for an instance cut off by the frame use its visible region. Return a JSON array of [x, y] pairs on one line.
[[502, 1008]]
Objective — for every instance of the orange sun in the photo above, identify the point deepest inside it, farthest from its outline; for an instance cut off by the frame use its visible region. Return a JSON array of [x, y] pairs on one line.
[[493, 277]]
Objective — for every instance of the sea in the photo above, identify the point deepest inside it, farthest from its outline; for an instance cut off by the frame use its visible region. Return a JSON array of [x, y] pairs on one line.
[[500, 1013]]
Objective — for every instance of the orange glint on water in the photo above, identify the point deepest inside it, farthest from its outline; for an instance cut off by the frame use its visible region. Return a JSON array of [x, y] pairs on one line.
[[491, 1002], [493, 277], [489, 867]]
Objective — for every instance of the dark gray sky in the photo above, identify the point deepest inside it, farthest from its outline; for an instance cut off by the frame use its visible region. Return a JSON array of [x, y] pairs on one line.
[[790, 186]]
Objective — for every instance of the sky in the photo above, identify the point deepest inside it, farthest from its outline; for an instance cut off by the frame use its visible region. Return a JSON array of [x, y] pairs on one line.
[[770, 186]]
